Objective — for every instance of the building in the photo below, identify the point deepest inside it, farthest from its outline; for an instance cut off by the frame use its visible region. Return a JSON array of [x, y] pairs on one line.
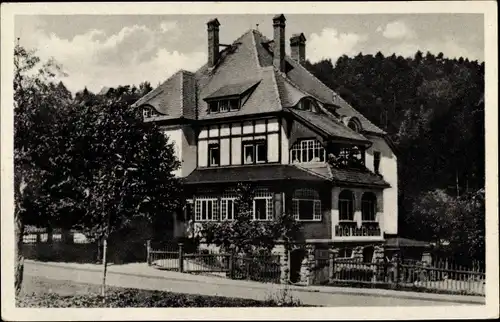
[[254, 114]]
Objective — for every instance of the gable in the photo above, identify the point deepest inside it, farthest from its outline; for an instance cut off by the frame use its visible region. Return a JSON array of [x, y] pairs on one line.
[[174, 98]]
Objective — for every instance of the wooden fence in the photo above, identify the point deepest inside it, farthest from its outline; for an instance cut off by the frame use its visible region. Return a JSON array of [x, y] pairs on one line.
[[171, 256], [442, 277]]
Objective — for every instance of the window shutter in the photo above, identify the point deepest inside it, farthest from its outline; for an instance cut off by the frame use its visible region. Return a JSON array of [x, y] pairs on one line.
[[317, 209]]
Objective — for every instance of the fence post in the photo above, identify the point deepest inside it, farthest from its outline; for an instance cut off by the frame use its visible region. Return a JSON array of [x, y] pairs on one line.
[[397, 264], [181, 258], [148, 249], [331, 266], [231, 265], [247, 266]]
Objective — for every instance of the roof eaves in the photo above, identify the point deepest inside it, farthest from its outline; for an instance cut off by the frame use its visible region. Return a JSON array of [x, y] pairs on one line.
[[365, 141], [181, 79]]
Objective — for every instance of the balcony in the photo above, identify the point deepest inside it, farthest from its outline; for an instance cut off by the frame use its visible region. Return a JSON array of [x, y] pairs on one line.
[[351, 231]]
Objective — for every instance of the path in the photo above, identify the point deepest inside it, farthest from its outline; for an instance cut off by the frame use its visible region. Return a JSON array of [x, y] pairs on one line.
[[144, 277]]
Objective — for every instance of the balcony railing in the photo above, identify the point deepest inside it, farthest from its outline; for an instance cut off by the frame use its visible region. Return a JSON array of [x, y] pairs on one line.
[[352, 230]]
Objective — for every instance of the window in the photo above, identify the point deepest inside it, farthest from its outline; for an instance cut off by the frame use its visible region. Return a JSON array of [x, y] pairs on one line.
[[214, 107], [263, 205], [345, 253], [306, 205], [307, 105], [353, 126], [304, 151], [227, 207], [368, 254], [254, 152], [376, 161], [206, 209], [350, 157], [149, 112], [368, 206], [224, 105], [346, 206], [213, 154]]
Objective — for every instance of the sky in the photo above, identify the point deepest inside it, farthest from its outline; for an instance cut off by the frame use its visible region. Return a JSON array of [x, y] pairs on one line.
[[111, 50]]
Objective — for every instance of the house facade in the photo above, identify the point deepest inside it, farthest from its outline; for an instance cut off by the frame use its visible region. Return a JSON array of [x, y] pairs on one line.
[[253, 114]]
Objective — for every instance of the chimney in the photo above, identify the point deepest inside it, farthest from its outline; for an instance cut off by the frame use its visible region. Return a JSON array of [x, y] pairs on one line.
[[279, 42], [213, 41], [298, 48]]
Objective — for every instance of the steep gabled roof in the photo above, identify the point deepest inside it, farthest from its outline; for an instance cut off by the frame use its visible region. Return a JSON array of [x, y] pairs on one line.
[[248, 60], [239, 64], [302, 79]]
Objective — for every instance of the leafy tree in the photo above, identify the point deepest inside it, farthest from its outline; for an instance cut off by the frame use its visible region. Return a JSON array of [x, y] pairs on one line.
[[430, 216], [467, 214], [89, 163], [38, 122], [121, 168]]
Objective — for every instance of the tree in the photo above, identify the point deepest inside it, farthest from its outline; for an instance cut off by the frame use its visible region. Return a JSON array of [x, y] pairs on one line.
[[467, 214], [246, 236], [89, 163], [38, 112], [122, 169], [430, 217]]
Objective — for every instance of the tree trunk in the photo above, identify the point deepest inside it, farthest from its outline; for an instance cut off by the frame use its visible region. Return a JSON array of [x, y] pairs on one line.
[[104, 266], [99, 250], [19, 259]]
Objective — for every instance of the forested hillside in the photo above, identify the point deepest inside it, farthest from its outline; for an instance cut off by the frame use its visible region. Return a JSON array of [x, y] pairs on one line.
[[432, 108]]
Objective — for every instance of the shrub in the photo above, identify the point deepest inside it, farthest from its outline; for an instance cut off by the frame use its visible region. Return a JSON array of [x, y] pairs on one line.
[[143, 298]]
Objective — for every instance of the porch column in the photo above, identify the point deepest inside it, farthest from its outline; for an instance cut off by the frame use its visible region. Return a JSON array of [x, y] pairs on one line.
[[335, 208], [380, 211], [278, 204], [357, 207]]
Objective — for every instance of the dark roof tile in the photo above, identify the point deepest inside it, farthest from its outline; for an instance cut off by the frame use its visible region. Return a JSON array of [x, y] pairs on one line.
[[357, 177], [250, 173], [329, 126], [236, 89]]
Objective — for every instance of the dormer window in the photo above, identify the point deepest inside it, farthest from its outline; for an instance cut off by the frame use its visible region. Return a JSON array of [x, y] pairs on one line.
[[148, 112], [224, 105], [230, 98], [354, 124], [307, 104]]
